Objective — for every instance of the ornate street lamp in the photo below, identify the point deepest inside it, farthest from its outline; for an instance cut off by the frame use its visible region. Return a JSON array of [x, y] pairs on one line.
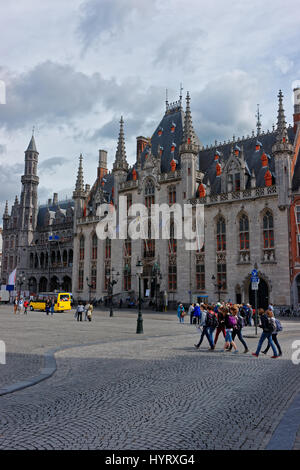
[[156, 275], [111, 282], [218, 285], [139, 271], [21, 279], [90, 288]]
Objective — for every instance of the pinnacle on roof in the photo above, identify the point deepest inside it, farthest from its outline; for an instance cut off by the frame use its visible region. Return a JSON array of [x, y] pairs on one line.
[[281, 122], [258, 122], [16, 201], [6, 214], [79, 188], [31, 146], [120, 160], [189, 140]]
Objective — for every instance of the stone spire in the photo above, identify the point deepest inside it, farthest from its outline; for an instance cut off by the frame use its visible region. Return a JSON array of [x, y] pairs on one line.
[[281, 122], [6, 214], [258, 122], [120, 160], [79, 187], [32, 146], [189, 142], [282, 140]]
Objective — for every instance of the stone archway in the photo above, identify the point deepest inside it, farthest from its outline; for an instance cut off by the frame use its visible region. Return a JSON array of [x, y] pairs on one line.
[[43, 284], [263, 293]]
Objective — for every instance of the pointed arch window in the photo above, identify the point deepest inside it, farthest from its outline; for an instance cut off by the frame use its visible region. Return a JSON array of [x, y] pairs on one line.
[[81, 248], [172, 241], [221, 234], [149, 194], [172, 195], [268, 230], [108, 248], [244, 233], [94, 246]]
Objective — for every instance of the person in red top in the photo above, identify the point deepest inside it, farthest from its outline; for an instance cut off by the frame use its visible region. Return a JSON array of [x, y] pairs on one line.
[[26, 304]]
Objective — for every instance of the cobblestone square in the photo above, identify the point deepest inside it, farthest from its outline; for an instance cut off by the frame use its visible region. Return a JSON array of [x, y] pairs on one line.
[[114, 389]]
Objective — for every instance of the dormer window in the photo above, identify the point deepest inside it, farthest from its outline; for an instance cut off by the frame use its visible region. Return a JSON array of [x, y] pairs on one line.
[[173, 126], [160, 131], [173, 147]]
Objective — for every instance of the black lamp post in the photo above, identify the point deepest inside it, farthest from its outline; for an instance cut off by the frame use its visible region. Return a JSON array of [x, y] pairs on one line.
[[111, 282], [157, 275], [219, 286], [139, 271]]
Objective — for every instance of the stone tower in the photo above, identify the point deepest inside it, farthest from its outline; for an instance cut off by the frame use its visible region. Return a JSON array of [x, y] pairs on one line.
[[282, 151], [29, 201]]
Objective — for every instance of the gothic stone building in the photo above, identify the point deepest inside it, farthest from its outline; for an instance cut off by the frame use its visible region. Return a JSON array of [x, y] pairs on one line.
[[245, 186], [38, 240]]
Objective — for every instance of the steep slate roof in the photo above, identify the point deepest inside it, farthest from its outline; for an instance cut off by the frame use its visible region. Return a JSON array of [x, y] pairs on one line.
[[252, 157], [53, 208]]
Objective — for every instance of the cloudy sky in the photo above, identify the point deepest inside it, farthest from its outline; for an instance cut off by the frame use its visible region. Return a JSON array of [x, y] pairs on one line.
[[72, 68]]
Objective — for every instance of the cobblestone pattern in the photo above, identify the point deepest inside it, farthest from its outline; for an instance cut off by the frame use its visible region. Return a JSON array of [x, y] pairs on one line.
[[152, 393]]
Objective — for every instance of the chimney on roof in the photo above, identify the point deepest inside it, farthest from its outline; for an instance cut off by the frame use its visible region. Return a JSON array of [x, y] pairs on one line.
[[141, 143], [102, 167], [296, 114], [49, 202], [55, 199]]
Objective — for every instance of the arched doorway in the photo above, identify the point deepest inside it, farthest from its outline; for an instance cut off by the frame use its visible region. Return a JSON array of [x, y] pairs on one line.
[[32, 284], [67, 284], [262, 294], [54, 284], [238, 294], [43, 284]]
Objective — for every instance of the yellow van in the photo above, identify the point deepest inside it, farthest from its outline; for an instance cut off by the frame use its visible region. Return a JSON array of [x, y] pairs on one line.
[[62, 301]]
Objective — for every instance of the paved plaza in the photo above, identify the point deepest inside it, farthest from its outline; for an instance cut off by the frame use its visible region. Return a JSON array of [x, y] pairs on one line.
[[108, 388]]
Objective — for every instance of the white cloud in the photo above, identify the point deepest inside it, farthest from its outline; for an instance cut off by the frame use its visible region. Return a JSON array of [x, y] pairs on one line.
[[284, 64]]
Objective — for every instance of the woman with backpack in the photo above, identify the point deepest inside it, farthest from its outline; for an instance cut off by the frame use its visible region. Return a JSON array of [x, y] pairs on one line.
[[268, 326], [205, 321], [221, 324], [274, 334], [230, 324], [237, 331]]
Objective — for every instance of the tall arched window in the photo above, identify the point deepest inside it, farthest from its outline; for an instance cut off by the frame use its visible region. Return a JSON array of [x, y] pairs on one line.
[[221, 234], [244, 233], [108, 248], [94, 246], [81, 248], [268, 230], [149, 194], [172, 240]]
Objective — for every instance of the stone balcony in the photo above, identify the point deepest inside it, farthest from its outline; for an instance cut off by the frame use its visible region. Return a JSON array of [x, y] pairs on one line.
[[251, 193]]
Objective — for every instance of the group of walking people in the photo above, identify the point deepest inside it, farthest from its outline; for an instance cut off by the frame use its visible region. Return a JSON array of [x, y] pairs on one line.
[[228, 319], [21, 306], [86, 308]]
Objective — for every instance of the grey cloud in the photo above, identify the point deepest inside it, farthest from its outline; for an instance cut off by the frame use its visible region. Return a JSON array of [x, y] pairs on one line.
[[109, 18], [50, 164], [180, 50], [226, 106], [10, 184], [2, 149], [55, 94], [49, 92]]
